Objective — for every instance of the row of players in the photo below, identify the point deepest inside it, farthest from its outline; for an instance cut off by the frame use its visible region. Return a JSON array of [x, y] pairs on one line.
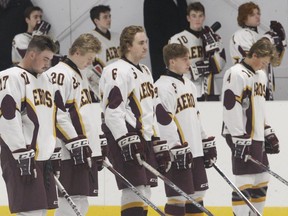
[[206, 52], [128, 99]]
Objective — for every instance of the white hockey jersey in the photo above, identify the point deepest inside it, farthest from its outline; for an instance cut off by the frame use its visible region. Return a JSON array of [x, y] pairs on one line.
[[179, 98], [127, 98], [244, 101], [79, 102], [19, 46], [196, 53], [28, 112]]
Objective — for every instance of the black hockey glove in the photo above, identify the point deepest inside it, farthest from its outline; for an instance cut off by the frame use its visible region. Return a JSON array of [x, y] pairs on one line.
[[131, 145], [278, 29], [210, 40], [25, 159], [56, 161], [162, 154], [104, 152], [200, 69], [41, 28], [271, 141], [182, 156], [242, 146], [210, 152], [80, 150]]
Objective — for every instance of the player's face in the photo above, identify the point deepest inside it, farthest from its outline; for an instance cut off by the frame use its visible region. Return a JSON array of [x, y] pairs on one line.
[[104, 21], [180, 65], [35, 17], [41, 61], [84, 60], [139, 47], [253, 19], [196, 20], [260, 63]]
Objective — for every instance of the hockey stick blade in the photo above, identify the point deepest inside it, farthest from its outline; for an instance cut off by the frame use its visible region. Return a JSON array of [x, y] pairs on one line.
[[172, 185], [132, 187], [67, 197], [236, 190], [248, 157]]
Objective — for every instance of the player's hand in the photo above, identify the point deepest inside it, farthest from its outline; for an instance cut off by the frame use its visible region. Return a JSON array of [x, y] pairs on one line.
[[200, 69], [104, 152], [210, 152], [271, 141], [242, 146], [80, 150], [278, 29], [25, 159], [130, 145], [182, 156], [56, 161], [162, 154], [41, 28], [210, 40]]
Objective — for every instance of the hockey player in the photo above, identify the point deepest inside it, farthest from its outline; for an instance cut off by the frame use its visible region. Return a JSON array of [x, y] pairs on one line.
[[80, 180], [242, 40], [245, 125], [27, 126], [180, 125], [206, 53], [35, 26], [127, 100], [101, 17]]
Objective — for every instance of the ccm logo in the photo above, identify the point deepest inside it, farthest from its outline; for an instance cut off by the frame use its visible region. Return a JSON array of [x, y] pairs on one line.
[[129, 139], [27, 155], [184, 151], [79, 143]]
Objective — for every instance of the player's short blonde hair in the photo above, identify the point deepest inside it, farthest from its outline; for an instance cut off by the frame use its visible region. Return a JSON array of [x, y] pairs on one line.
[[172, 51], [244, 10], [127, 37], [85, 43]]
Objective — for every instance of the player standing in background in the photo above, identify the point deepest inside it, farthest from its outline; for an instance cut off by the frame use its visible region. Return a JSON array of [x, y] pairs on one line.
[[27, 125], [245, 126], [35, 26], [80, 180], [180, 125], [242, 40], [101, 17], [206, 53], [127, 99]]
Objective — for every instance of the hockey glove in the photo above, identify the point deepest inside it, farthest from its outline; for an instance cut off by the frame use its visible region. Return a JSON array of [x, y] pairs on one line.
[[56, 161], [271, 141], [104, 152], [80, 151], [278, 29], [182, 156], [199, 69], [210, 152], [41, 28], [210, 40], [242, 146], [26, 163], [131, 145], [162, 154]]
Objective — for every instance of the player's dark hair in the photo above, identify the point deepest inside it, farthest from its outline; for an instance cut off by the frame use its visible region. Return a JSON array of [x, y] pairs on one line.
[[195, 6], [85, 43], [95, 11], [244, 10], [31, 9], [127, 38], [172, 51], [41, 43]]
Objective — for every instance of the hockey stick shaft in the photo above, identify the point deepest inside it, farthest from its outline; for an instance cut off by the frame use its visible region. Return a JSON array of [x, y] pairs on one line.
[[172, 185], [67, 197], [237, 190], [133, 188], [267, 170]]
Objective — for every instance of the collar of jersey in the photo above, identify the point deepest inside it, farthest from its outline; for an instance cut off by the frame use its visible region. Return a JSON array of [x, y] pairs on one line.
[[106, 35], [175, 75], [69, 62], [247, 66], [252, 28]]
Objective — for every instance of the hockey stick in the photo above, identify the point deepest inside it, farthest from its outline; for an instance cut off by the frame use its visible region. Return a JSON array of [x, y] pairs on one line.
[[66, 196], [237, 190], [132, 187], [172, 185], [248, 157]]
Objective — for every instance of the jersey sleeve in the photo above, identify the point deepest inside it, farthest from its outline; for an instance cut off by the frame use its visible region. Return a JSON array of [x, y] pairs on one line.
[[12, 94], [115, 87]]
